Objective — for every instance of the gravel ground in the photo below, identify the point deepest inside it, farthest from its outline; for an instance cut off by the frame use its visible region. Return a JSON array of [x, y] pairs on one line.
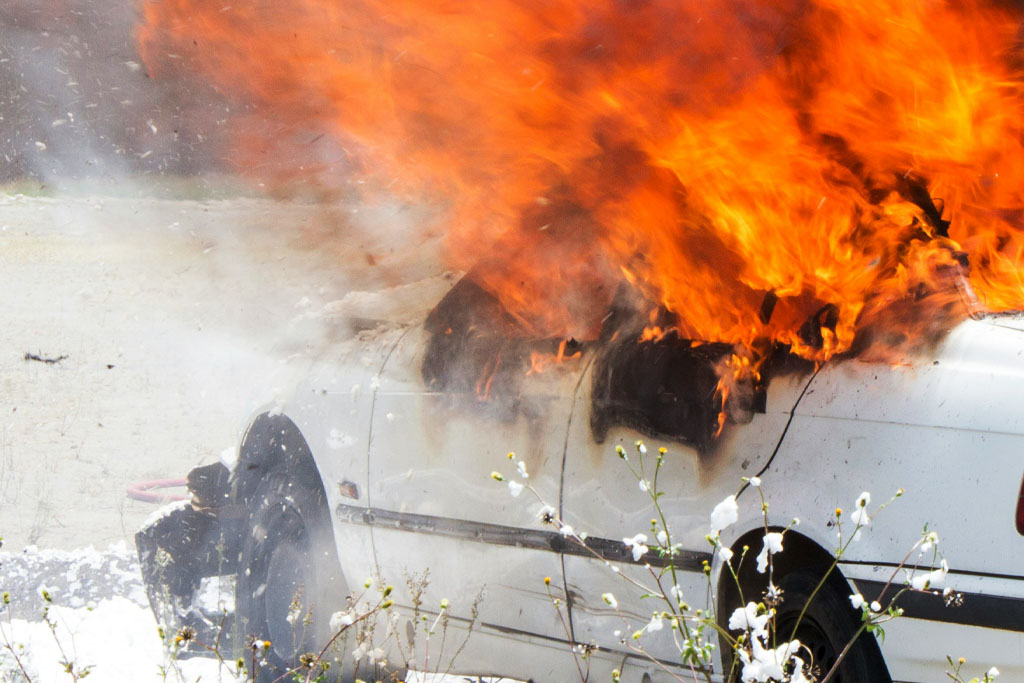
[[169, 322]]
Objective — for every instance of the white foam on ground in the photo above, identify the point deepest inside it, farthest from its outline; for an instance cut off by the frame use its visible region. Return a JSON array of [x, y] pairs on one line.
[[118, 640], [115, 636]]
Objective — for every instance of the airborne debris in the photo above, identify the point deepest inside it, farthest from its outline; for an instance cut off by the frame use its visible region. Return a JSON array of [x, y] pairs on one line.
[[44, 359]]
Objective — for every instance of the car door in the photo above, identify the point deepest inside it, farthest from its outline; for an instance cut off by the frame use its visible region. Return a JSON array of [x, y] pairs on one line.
[[434, 503], [603, 499]]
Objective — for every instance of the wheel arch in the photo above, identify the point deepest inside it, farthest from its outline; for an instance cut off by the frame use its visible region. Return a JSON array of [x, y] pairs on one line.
[[273, 441], [800, 552]]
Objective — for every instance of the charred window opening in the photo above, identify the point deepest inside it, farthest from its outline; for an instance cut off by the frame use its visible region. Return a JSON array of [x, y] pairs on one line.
[[666, 386], [475, 348]]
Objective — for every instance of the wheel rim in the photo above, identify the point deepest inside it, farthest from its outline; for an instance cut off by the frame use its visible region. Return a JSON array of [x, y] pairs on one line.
[[813, 637]]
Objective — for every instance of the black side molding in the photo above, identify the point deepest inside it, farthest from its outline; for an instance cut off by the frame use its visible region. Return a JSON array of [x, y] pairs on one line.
[[499, 534], [976, 609]]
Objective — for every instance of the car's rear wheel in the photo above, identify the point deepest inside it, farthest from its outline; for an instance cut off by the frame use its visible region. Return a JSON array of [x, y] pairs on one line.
[[827, 625]]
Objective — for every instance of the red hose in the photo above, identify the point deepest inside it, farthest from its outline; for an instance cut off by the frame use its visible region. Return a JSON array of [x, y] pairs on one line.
[[141, 491]]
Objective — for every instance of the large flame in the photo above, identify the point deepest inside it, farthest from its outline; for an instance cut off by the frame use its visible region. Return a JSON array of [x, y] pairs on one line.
[[714, 153]]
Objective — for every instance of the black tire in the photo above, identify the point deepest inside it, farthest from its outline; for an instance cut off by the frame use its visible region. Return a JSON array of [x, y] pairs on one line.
[[288, 554], [828, 624]]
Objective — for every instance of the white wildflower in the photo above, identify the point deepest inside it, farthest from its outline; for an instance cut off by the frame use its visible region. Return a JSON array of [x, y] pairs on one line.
[[724, 553], [637, 543], [932, 579], [676, 592], [931, 539], [610, 600], [662, 537], [755, 482], [515, 488], [294, 611], [857, 600], [992, 673], [643, 485], [860, 516], [340, 620], [772, 544], [798, 672], [747, 619], [725, 514], [656, 624], [767, 664], [875, 606], [521, 466], [567, 530]]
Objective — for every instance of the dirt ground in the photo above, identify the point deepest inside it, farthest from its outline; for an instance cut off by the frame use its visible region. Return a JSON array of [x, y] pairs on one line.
[[172, 321]]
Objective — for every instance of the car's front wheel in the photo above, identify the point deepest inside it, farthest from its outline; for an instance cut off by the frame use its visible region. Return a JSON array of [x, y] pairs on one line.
[[288, 581]]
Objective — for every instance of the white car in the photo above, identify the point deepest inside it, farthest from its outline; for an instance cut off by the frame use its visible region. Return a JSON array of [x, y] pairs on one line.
[[380, 464]]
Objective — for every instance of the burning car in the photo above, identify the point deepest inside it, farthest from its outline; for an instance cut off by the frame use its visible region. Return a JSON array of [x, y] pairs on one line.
[[779, 239], [379, 467]]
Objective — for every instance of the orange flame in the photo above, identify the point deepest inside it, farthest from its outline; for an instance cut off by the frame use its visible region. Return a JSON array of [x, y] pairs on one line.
[[710, 152], [734, 371], [539, 361]]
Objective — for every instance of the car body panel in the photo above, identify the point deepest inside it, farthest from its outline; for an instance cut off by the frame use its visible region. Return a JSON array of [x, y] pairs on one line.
[[436, 505], [946, 430]]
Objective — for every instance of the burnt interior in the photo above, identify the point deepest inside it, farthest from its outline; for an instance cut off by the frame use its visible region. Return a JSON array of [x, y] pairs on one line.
[[664, 387]]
